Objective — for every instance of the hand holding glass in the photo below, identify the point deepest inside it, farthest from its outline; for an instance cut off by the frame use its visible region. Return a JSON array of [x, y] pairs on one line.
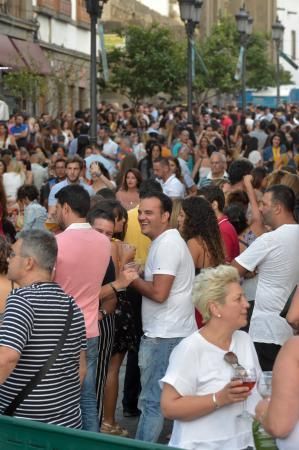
[[248, 378]]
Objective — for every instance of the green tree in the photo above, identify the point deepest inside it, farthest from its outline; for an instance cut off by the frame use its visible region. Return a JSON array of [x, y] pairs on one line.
[[220, 53], [151, 62], [25, 86], [260, 72]]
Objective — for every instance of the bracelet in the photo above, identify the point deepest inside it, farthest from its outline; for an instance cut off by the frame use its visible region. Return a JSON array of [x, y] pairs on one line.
[[113, 288], [215, 403]]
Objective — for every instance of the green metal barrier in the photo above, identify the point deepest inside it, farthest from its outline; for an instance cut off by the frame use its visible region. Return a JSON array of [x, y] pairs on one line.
[[22, 434]]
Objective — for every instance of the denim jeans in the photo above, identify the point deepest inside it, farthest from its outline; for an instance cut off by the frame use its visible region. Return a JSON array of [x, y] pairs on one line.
[[90, 420], [153, 361]]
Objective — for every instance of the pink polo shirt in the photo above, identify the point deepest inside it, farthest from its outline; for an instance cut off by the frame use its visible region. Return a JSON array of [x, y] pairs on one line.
[[82, 261]]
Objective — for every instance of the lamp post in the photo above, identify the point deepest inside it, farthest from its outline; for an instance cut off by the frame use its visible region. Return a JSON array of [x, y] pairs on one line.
[[190, 14], [245, 26], [94, 9], [277, 36]]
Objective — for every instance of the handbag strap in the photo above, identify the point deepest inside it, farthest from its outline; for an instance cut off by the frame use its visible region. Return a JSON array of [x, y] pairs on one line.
[[9, 411]]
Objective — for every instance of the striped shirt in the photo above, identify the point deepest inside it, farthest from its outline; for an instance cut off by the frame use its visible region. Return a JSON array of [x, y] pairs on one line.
[[33, 322]]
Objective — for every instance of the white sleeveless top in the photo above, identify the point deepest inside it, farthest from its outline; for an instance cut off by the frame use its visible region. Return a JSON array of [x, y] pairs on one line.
[[291, 442]]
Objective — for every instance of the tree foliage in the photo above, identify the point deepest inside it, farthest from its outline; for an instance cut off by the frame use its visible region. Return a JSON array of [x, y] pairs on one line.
[[25, 85], [220, 53], [154, 61], [151, 62]]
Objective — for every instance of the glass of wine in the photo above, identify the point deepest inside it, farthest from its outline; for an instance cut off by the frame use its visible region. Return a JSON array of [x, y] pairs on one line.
[[248, 378], [264, 387], [264, 384]]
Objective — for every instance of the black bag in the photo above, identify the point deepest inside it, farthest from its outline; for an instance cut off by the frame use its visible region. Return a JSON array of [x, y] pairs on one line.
[[9, 411], [286, 307]]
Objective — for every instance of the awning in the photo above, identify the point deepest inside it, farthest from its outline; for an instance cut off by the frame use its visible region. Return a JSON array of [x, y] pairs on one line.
[[33, 56], [9, 56]]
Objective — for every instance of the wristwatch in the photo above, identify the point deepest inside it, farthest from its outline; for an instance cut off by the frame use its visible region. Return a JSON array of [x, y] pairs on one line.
[[103, 312]]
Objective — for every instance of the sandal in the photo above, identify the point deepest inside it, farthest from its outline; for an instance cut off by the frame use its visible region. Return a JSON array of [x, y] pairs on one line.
[[115, 430]]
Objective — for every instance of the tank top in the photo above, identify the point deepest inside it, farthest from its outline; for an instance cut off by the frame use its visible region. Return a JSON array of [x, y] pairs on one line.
[[291, 442]]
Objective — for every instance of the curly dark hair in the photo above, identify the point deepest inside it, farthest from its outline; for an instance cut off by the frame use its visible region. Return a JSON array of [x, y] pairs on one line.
[[201, 222], [5, 250]]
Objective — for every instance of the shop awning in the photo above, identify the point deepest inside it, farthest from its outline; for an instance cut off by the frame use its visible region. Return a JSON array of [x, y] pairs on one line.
[[33, 56], [9, 55]]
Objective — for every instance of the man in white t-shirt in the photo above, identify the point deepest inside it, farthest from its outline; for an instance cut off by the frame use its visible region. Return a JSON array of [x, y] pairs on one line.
[[171, 185], [110, 148], [274, 256], [167, 310], [183, 158]]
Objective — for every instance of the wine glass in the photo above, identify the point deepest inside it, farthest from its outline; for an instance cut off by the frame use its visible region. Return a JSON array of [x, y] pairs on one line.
[[264, 387], [264, 384], [248, 378]]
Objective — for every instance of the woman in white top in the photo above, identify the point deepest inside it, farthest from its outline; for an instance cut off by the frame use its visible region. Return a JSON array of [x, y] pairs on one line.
[[280, 415], [13, 179], [6, 139], [198, 393]]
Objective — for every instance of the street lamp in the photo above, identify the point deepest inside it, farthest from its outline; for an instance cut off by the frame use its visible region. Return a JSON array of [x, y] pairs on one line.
[[277, 36], [190, 14], [245, 28], [94, 9]]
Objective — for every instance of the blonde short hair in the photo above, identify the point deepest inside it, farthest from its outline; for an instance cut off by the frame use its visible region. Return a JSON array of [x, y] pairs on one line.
[[210, 286]]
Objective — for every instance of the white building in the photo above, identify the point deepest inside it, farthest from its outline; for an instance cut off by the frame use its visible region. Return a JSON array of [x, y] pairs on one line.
[[288, 14]]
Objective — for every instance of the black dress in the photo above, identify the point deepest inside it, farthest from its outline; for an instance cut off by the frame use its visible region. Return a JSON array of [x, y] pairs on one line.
[[125, 337]]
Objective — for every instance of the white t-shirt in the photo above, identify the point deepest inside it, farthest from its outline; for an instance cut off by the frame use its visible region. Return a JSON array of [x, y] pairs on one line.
[[275, 255], [197, 367], [173, 187], [110, 148], [11, 182], [169, 255]]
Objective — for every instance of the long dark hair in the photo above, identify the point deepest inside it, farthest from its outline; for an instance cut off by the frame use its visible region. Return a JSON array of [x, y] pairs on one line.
[[201, 222], [136, 174]]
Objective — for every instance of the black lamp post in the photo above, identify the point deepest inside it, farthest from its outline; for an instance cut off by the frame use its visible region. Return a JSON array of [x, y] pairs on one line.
[[94, 9], [245, 26], [190, 15], [277, 36]]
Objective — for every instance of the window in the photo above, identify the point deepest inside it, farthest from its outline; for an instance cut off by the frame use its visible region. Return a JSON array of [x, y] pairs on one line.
[[82, 15]]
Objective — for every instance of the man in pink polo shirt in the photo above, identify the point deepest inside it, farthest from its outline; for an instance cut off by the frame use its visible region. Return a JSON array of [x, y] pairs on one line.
[[82, 261]]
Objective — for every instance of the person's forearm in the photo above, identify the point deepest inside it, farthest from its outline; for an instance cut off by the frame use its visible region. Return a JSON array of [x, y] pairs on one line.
[[7, 365], [255, 211], [275, 424], [147, 289], [108, 183], [188, 408]]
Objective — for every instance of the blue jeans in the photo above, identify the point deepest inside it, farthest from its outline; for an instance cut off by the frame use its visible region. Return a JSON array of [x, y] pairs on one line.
[[153, 361], [90, 420]]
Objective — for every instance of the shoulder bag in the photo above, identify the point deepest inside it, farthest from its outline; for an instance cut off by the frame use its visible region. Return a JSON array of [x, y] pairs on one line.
[[9, 411]]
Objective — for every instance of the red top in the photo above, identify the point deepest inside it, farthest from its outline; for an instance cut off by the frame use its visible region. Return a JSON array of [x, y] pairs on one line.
[[230, 239]]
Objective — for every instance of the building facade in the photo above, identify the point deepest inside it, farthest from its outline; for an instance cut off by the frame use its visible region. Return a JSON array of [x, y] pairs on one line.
[[288, 13], [52, 38]]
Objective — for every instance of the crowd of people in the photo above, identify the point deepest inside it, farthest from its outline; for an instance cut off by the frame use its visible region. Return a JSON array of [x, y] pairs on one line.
[[169, 243]]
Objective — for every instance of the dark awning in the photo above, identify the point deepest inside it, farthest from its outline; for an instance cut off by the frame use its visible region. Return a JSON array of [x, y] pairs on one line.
[[8, 54], [33, 56]]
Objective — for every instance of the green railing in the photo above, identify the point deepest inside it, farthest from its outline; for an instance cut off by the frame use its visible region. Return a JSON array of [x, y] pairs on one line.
[[21, 434]]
